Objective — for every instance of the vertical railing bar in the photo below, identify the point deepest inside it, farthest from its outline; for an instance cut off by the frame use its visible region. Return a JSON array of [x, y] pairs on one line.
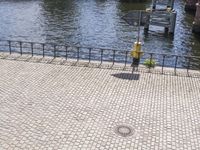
[[163, 63], [78, 53], [101, 56], [43, 46], [188, 67], [151, 57], [114, 51], [9, 42], [54, 51], [20, 44], [175, 67], [66, 54], [32, 49], [90, 49], [126, 57]]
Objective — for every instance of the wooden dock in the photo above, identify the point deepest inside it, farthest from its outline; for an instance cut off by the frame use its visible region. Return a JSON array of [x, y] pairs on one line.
[[161, 18], [160, 14]]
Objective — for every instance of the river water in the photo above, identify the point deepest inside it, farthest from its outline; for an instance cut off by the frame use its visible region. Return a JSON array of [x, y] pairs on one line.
[[93, 23]]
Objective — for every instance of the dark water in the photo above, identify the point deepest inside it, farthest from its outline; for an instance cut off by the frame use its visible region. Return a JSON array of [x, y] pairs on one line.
[[94, 23]]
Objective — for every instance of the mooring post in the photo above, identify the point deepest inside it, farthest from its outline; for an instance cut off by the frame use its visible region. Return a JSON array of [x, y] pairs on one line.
[[196, 23], [147, 21], [166, 30], [190, 5], [154, 4], [172, 22], [170, 4]]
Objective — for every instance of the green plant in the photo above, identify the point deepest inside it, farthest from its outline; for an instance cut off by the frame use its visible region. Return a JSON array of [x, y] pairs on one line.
[[150, 63]]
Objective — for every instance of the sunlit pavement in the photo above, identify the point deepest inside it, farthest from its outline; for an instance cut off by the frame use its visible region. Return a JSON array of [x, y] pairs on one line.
[[46, 106]]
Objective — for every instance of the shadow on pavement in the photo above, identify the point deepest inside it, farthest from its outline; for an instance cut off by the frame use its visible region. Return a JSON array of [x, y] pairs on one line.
[[127, 76]]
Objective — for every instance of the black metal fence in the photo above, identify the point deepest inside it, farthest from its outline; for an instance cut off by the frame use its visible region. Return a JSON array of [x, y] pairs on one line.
[[98, 54]]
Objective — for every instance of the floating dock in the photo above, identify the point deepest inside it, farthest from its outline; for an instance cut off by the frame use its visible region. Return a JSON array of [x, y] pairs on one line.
[[160, 14]]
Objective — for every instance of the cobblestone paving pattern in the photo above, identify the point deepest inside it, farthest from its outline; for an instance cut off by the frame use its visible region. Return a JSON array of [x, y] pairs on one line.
[[46, 106]]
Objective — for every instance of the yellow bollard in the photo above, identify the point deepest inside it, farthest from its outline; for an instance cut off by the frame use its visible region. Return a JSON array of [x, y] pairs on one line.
[[136, 53]]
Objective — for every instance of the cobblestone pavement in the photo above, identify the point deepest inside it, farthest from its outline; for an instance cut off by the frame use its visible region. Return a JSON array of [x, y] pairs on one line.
[[46, 106]]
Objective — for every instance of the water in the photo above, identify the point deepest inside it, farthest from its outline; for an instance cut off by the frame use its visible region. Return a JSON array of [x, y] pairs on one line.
[[93, 23]]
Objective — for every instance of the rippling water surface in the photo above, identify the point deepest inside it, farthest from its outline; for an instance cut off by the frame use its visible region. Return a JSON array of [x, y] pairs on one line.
[[94, 23]]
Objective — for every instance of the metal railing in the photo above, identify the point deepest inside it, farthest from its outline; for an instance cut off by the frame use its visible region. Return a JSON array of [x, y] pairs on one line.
[[98, 54]]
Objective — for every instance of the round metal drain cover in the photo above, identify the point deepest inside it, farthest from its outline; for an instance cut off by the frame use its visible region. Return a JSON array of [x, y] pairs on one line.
[[124, 130]]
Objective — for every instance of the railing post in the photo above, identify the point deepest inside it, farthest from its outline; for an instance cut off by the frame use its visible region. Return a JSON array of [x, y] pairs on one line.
[[126, 57], [114, 51], [175, 64], [101, 56], [151, 57], [20, 44], [188, 66], [32, 49], [90, 54], [163, 63], [54, 51], [43, 45], [78, 53], [9, 43], [66, 52]]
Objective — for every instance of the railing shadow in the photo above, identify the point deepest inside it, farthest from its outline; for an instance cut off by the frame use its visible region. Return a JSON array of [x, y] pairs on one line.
[[126, 76]]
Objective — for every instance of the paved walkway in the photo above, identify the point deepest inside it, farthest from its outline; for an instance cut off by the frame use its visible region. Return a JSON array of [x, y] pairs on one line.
[[46, 106]]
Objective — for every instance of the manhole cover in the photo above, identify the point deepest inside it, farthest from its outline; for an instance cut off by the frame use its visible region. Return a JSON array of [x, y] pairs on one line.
[[124, 130]]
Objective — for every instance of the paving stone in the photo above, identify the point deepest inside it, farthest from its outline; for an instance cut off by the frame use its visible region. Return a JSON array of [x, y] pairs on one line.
[[53, 106]]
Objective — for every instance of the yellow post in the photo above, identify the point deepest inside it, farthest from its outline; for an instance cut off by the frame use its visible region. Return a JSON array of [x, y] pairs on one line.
[[136, 53]]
